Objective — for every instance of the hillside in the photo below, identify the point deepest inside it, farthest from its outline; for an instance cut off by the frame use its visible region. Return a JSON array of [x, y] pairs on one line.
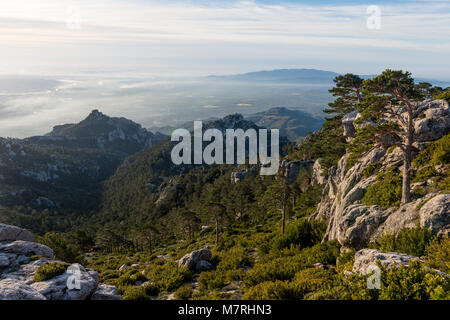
[[63, 171]]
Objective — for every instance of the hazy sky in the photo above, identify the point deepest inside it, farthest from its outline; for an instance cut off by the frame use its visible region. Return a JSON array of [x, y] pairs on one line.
[[211, 37]]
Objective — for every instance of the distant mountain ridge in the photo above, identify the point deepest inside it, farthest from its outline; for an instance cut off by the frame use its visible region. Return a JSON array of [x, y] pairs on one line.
[[312, 76], [292, 124], [283, 75]]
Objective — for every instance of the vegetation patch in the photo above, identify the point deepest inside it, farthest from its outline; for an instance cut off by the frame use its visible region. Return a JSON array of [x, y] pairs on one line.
[[50, 270]]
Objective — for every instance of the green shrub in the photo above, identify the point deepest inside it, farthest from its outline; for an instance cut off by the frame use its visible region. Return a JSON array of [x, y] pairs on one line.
[[371, 169], [301, 233], [50, 270], [438, 255], [412, 241], [285, 268], [386, 193], [211, 280], [438, 152], [233, 259], [135, 293], [167, 277], [424, 174], [184, 292], [413, 283], [278, 290]]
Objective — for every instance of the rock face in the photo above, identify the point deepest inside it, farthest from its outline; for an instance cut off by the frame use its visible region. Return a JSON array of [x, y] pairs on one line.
[[197, 260], [11, 289], [106, 292], [367, 257], [435, 214], [19, 261], [293, 168], [354, 224], [9, 233]]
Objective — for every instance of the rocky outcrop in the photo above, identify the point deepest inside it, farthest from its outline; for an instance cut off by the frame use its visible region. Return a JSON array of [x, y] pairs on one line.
[[293, 168], [106, 292], [370, 257], [433, 120], [76, 283], [347, 123], [9, 233], [354, 224], [19, 261], [435, 214], [197, 260]]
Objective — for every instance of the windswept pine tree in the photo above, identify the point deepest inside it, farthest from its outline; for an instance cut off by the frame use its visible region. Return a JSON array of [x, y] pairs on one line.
[[390, 101]]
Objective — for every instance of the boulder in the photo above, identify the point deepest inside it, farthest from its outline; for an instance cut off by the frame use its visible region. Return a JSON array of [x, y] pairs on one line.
[[191, 260], [12, 289], [106, 292], [293, 168], [12, 233], [356, 225], [435, 214], [367, 257], [203, 265], [347, 123], [317, 173], [433, 120], [123, 267], [27, 248], [76, 283]]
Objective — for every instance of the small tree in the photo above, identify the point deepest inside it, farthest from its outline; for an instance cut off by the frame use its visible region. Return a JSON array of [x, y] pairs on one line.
[[189, 221], [390, 101], [218, 212], [348, 94], [277, 196]]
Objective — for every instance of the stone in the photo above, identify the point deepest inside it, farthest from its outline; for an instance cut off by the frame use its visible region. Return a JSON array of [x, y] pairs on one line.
[[57, 288], [27, 248], [435, 214], [106, 292], [12, 233], [12, 289], [347, 123], [203, 265], [317, 173], [293, 168], [433, 121], [190, 260], [123, 267], [367, 257]]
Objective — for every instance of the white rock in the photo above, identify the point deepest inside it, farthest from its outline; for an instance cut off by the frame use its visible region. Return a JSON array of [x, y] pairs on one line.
[[369, 257], [12, 233], [106, 292], [12, 289]]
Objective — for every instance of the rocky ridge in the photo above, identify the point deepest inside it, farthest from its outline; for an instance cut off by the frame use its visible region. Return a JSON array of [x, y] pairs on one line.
[[354, 224]]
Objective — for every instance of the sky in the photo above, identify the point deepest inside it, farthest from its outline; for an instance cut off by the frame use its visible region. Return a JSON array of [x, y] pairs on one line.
[[221, 37]]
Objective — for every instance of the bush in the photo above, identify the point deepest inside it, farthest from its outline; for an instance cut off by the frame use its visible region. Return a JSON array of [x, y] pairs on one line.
[[301, 233], [438, 152], [50, 270], [278, 290], [438, 255], [412, 241], [424, 174], [285, 268], [386, 193], [184, 292], [167, 277], [135, 293], [371, 169], [413, 283], [233, 259]]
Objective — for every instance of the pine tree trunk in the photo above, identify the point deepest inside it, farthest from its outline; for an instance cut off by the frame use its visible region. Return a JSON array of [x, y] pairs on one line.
[[217, 229], [406, 184]]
